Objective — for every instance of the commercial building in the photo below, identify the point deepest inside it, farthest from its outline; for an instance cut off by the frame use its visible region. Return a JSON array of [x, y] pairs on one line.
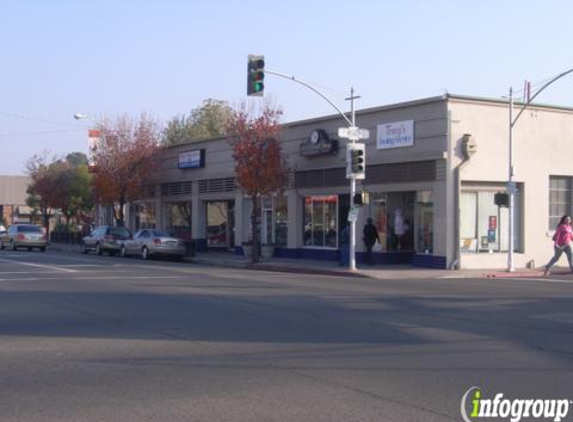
[[13, 206], [434, 167]]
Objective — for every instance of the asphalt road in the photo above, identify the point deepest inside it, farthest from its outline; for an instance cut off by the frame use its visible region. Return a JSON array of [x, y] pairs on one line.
[[89, 338]]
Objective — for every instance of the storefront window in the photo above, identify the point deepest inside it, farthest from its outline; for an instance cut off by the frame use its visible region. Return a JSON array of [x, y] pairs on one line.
[[321, 221], [393, 215], [178, 219], [144, 216], [484, 225], [560, 199]]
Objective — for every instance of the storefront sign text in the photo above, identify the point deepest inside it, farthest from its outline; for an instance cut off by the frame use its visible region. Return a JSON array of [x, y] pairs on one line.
[[395, 135]]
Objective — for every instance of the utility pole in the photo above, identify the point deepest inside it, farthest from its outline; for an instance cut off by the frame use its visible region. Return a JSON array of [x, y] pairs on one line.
[[511, 185]]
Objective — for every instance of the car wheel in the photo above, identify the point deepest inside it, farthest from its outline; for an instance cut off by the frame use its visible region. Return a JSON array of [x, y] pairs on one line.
[[122, 252], [43, 248], [29, 249], [111, 253], [145, 253], [98, 249], [84, 248], [13, 245], [1, 245]]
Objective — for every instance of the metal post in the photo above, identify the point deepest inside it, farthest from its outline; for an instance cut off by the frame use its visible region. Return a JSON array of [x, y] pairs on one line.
[[511, 184], [352, 261], [510, 189]]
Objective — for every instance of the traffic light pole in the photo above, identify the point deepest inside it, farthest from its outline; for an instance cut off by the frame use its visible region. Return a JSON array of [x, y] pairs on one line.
[[298, 81], [352, 138]]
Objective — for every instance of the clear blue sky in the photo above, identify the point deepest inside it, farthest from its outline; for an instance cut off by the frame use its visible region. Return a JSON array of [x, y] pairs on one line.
[[166, 56]]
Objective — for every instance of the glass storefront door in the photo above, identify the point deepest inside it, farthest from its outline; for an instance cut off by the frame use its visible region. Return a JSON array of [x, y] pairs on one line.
[[321, 221], [178, 219], [220, 224]]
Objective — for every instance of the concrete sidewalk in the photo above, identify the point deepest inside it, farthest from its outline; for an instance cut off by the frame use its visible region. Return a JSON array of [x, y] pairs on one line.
[[306, 266]]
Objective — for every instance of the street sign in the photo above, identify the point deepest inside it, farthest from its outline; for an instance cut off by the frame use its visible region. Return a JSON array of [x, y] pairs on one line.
[[353, 133], [353, 214], [512, 188]]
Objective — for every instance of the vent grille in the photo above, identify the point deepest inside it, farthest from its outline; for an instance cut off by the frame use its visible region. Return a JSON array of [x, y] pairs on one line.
[[380, 173], [226, 184], [176, 188]]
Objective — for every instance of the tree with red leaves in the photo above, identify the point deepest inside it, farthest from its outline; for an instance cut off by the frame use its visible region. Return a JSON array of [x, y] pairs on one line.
[[124, 161], [260, 166]]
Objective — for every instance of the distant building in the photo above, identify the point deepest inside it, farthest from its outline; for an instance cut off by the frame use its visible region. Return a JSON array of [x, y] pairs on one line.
[[13, 206]]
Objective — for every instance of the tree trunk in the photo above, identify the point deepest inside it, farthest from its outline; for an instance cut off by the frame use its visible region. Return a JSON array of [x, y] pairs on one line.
[[255, 229], [46, 221]]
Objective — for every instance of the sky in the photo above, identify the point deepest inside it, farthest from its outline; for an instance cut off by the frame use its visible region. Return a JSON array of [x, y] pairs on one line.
[[165, 57]]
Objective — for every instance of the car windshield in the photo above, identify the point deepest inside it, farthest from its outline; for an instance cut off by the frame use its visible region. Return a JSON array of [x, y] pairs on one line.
[[30, 229], [119, 231], [159, 233]]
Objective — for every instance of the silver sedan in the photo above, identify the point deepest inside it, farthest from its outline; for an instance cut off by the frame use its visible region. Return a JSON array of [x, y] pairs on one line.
[[24, 236], [151, 242]]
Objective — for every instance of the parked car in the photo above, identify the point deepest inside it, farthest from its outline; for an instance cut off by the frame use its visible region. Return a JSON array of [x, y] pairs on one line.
[[106, 239], [24, 236], [152, 242], [2, 229]]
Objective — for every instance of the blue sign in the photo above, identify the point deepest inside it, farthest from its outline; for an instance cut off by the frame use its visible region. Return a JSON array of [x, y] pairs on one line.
[[192, 159]]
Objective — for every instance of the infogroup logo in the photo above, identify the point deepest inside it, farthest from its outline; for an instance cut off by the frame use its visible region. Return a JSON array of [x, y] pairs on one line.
[[474, 402]]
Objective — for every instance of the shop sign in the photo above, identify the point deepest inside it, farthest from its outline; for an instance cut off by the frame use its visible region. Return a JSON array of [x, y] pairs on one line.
[[193, 159], [395, 135], [318, 143]]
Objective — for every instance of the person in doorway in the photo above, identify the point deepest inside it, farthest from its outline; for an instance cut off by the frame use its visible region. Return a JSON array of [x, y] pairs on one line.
[[370, 236], [562, 243], [344, 244]]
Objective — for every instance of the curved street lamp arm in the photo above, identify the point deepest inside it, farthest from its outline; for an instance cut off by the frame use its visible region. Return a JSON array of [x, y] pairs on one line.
[[292, 78], [537, 93]]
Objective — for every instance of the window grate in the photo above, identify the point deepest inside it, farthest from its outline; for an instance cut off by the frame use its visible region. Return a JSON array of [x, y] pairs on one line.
[[226, 184], [176, 188]]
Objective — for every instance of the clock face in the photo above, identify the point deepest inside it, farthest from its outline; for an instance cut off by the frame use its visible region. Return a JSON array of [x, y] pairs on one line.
[[314, 137]]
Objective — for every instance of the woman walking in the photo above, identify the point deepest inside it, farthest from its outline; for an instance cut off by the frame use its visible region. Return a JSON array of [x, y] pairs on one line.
[[563, 237]]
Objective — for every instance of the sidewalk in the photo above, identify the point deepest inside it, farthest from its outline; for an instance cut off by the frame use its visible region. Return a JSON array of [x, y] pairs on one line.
[[305, 266]]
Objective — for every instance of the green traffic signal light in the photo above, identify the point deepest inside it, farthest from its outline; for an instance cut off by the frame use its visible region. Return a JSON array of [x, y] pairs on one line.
[[255, 75]]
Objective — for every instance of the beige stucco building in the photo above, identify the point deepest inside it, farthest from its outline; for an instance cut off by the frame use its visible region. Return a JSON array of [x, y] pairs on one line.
[[433, 169], [13, 206]]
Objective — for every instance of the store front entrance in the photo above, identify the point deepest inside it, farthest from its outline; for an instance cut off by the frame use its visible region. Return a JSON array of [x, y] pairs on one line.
[[221, 224]]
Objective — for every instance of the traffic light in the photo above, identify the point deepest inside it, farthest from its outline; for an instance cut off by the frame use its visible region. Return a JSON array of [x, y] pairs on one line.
[[501, 199], [256, 76], [355, 161]]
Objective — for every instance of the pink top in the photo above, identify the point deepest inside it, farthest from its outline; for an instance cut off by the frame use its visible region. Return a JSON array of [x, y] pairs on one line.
[[563, 235]]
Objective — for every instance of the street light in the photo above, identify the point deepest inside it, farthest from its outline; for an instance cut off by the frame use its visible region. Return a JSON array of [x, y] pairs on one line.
[[511, 186]]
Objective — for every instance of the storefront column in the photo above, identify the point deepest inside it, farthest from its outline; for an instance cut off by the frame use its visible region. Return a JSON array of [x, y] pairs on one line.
[[294, 204], [198, 218], [239, 218], [159, 212]]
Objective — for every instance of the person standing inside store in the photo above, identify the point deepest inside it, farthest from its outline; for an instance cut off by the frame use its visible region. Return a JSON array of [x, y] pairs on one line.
[[562, 243], [370, 236]]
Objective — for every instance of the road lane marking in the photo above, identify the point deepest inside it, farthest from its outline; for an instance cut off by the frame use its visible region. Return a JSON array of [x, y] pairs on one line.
[[49, 267], [96, 278]]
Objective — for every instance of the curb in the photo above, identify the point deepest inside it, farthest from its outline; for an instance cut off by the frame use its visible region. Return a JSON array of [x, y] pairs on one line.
[[278, 268]]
